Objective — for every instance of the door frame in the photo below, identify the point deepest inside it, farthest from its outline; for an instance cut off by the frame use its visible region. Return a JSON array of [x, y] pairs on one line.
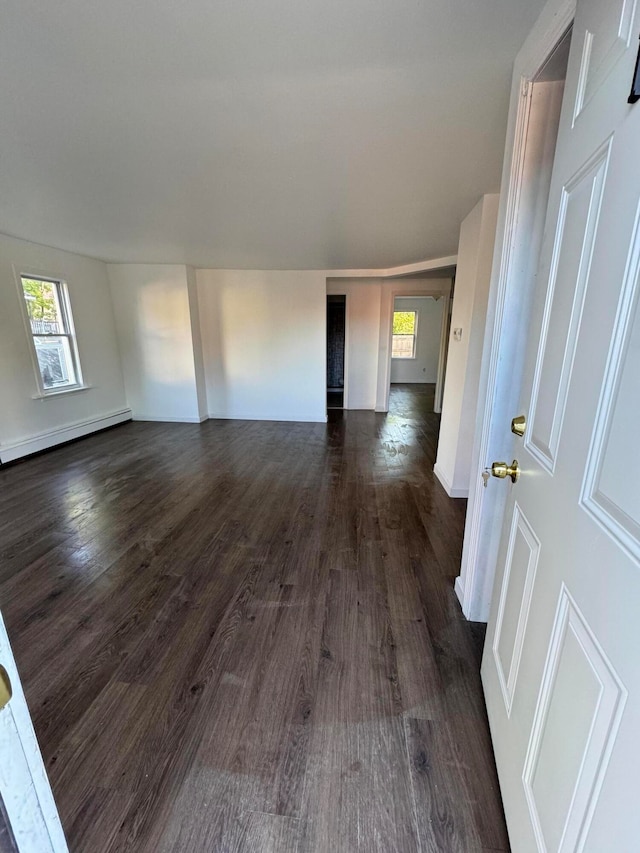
[[485, 509], [444, 351], [345, 387], [345, 381], [388, 295]]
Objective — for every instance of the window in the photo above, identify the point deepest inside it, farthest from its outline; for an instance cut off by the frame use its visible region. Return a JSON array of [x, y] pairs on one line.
[[405, 325], [51, 325]]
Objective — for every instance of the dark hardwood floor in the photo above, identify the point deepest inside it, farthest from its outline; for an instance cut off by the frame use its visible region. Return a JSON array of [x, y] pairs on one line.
[[243, 636]]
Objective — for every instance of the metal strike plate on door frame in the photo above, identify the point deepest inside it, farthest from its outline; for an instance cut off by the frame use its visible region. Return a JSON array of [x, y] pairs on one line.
[[6, 691]]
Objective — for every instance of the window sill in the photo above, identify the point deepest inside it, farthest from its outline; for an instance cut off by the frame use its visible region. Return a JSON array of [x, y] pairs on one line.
[[58, 392], [404, 357]]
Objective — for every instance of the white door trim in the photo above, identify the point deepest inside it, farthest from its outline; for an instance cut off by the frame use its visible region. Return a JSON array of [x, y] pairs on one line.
[[475, 582], [442, 355], [345, 387]]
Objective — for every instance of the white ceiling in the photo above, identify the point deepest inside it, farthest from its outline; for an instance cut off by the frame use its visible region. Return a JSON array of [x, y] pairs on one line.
[[253, 133]]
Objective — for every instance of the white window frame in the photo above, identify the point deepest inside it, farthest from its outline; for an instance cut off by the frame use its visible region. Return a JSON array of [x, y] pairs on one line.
[[414, 354], [69, 331]]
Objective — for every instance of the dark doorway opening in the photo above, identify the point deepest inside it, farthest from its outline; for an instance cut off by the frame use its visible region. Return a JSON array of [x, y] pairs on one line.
[[336, 325]]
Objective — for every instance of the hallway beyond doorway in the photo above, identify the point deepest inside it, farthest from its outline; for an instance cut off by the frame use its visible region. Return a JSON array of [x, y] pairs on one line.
[[243, 635]]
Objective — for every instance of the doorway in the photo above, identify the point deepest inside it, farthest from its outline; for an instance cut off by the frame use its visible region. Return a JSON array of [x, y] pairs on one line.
[[415, 346], [336, 333], [416, 356]]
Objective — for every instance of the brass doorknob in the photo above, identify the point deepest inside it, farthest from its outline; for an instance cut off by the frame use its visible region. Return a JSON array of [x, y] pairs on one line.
[[5, 687], [502, 470], [519, 425]]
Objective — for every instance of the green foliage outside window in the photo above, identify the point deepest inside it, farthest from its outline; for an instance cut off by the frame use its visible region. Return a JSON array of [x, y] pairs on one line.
[[41, 303], [404, 322]]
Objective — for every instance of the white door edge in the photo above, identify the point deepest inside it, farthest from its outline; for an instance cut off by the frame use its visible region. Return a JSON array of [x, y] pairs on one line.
[[486, 506], [25, 788]]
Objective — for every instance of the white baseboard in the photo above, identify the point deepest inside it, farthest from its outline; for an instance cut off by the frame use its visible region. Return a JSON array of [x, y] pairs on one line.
[[459, 590], [446, 485], [163, 420], [251, 416], [361, 406], [34, 443]]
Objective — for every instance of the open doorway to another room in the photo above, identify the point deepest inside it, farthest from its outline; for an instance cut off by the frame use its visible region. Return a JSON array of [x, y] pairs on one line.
[[336, 335], [416, 348]]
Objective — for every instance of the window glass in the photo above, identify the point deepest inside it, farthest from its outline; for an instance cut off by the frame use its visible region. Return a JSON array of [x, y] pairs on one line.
[[43, 307], [49, 317], [404, 334]]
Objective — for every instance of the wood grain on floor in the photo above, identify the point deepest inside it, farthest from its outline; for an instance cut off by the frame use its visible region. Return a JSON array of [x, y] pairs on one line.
[[243, 636]]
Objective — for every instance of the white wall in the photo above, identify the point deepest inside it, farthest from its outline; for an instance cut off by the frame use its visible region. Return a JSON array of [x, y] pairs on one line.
[[264, 343], [28, 424], [196, 337], [171, 343], [424, 367], [475, 253], [362, 338], [153, 311]]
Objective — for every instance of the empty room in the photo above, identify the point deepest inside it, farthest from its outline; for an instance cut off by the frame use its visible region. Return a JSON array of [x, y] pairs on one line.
[[319, 502]]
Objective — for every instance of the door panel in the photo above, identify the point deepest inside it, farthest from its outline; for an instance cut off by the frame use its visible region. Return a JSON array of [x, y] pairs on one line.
[[513, 611], [581, 693], [613, 467], [607, 35], [572, 251], [561, 667]]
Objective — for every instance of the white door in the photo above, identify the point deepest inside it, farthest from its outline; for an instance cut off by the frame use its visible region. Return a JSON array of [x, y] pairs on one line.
[[29, 821], [561, 666]]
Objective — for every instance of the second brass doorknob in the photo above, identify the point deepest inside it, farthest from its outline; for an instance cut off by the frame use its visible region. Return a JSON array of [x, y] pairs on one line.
[[502, 470], [519, 425]]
